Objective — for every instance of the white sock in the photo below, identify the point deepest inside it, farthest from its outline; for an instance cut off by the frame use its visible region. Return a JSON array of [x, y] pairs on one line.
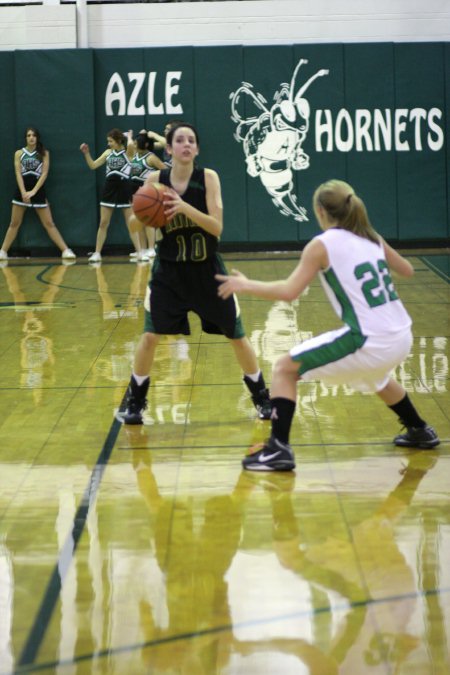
[[140, 379], [254, 377]]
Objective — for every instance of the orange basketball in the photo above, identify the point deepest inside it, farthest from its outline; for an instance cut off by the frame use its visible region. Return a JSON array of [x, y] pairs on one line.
[[148, 204]]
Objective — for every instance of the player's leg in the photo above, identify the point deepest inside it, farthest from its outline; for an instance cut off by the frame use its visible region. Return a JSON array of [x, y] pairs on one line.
[[157, 323], [134, 236], [315, 355], [140, 379], [45, 216], [17, 215], [105, 219], [418, 433], [253, 377], [276, 454], [222, 317], [148, 238]]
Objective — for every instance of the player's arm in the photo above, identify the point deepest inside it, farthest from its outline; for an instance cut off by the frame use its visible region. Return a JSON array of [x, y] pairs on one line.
[[313, 259], [160, 141], [397, 263], [94, 163], [43, 176], [131, 145], [155, 162], [212, 221]]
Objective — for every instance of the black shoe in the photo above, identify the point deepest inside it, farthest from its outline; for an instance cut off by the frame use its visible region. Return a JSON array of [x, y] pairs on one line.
[[418, 437], [273, 456], [263, 405], [133, 413], [260, 397], [136, 404]]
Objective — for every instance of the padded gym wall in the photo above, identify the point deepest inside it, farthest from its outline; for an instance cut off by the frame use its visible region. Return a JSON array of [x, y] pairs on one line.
[[54, 92], [274, 121]]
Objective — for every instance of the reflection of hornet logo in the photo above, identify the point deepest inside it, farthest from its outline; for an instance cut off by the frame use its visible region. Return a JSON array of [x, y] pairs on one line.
[[273, 138]]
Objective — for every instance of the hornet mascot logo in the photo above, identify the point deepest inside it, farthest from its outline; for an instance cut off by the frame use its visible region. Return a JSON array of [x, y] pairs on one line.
[[272, 139]]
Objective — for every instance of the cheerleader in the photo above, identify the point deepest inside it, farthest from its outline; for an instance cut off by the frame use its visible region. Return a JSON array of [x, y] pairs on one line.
[[116, 190], [31, 164], [143, 163]]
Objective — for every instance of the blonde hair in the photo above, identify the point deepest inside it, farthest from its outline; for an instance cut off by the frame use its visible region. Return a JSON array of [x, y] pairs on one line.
[[345, 207]]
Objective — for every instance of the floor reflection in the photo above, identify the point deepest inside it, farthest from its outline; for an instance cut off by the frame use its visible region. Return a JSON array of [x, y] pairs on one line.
[[147, 550]]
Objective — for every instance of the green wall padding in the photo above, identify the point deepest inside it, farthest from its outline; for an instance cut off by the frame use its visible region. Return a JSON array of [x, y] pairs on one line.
[[294, 125]]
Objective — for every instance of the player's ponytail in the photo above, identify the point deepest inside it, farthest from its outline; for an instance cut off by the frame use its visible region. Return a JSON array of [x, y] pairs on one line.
[[344, 206]]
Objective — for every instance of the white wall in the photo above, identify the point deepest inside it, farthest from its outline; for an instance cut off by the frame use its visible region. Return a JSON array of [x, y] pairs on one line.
[[248, 22], [37, 27]]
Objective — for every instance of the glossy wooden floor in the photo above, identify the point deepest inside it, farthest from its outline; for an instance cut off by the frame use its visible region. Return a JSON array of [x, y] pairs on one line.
[[148, 550]]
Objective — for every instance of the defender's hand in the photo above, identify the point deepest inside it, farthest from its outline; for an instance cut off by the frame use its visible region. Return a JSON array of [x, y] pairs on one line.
[[234, 283]]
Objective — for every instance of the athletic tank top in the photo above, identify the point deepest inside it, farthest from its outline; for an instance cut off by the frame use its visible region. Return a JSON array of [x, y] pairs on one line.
[[359, 286], [118, 165], [140, 169], [182, 239], [30, 163]]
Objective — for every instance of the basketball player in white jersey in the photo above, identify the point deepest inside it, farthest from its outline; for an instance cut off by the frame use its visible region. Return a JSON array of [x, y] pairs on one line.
[[353, 263]]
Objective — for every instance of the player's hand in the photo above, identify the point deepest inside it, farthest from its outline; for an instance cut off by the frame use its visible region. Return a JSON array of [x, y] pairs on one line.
[[173, 203], [84, 148], [233, 283]]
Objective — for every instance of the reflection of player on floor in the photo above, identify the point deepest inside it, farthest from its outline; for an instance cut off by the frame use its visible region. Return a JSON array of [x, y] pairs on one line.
[[37, 358], [191, 589], [353, 263], [183, 274], [31, 165], [364, 574], [113, 365]]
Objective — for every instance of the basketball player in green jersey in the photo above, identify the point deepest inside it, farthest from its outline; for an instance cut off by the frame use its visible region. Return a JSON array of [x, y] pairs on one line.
[[353, 263], [31, 165], [186, 263]]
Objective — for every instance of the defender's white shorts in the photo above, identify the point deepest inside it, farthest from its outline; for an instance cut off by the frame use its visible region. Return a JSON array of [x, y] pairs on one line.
[[339, 357]]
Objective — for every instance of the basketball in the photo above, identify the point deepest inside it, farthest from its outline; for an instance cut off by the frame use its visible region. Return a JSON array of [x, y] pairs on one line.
[[148, 205]]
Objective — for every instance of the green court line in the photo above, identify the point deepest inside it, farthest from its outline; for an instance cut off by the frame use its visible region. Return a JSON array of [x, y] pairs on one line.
[[60, 570]]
